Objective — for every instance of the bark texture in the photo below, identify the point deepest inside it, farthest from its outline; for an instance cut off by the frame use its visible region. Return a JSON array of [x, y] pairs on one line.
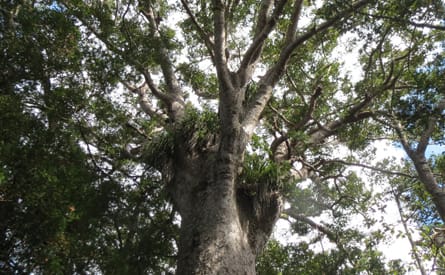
[[223, 226]]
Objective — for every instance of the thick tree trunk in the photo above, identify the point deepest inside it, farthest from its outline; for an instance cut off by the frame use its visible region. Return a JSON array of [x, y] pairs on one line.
[[223, 227], [212, 240]]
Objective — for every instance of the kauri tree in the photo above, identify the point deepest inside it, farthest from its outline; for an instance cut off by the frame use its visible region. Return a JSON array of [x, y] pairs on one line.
[[118, 115]]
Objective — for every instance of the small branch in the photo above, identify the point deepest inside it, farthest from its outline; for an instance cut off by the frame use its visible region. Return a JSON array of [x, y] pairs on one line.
[[137, 129], [292, 83], [332, 236], [280, 115], [431, 126], [204, 36], [311, 109], [373, 168], [409, 235], [408, 22]]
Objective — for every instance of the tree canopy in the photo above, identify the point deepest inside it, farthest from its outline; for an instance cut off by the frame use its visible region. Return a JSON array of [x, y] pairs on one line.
[[149, 136]]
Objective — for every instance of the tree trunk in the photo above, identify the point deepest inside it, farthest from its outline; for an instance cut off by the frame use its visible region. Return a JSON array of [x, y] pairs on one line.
[[212, 240], [223, 225]]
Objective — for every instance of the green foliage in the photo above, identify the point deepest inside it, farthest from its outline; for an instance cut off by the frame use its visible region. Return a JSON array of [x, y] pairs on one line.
[[206, 84], [418, 105], [302, 259], [81, 192], [258, 170], [64, 208], [200, 128]]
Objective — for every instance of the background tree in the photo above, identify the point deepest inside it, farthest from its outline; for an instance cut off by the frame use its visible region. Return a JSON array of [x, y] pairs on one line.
[[229, 122]]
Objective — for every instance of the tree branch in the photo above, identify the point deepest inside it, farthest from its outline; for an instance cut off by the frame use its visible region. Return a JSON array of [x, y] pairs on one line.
[[332, 236], [402, 137], [257, 104], [202, 34], [355, 114], [408, 22], [311, 109], [144, 102], [266, 23], [431, 126], [289, 48], [373, 168], [219, 48], [408, 234], [291, 32], [175, 101]]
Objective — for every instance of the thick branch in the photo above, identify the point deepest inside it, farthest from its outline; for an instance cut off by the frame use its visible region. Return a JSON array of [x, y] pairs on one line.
[[263, 15], [295, 17], [269, 80], [175, 101], [288, 50], [219, 23], [144, 102], [324, 131], [426, 175], [266, 23]]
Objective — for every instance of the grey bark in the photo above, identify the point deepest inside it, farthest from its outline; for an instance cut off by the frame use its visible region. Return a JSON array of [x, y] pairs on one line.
[[223, 227]]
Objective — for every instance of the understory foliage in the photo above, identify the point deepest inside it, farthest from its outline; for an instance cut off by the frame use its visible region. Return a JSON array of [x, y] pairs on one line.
[[99, 100]]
